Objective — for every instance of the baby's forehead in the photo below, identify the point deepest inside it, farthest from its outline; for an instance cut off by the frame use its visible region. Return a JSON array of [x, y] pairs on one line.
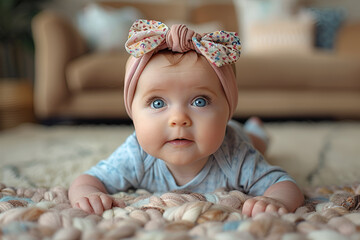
[[174, 66], [171, 66], [179, 60]]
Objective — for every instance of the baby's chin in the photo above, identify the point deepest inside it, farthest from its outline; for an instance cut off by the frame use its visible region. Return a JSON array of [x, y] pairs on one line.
[[181, 161]]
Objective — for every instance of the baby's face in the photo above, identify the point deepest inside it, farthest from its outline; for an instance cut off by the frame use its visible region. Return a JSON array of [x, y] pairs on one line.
[[180, 111]]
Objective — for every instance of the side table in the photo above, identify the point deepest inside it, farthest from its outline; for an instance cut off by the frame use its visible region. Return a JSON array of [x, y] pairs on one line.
[[16, 102]]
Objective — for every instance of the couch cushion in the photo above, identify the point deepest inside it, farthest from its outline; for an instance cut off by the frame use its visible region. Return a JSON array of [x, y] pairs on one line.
[[97, 71], [318, 70]]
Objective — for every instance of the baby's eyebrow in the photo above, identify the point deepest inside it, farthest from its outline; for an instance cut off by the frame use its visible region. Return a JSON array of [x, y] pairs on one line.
[[153, 93], [154, 90], [203, 88]]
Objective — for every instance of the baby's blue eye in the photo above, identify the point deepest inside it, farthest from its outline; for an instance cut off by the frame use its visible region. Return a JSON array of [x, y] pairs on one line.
[[200, 102], [158, 103]]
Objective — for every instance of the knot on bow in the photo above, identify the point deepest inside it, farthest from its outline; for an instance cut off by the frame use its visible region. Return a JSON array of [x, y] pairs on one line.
[[218, 47], [179, 38]]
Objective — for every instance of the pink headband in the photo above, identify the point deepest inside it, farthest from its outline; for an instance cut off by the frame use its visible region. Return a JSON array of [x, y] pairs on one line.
[[146, 37]]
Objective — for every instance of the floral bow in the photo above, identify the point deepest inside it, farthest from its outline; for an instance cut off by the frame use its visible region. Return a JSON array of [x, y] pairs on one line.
[[220, 47]]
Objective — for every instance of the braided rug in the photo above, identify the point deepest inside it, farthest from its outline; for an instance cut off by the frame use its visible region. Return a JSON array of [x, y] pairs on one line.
[[45, 213]]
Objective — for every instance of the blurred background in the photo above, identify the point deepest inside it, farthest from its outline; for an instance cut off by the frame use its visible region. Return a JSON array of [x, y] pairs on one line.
[[62, 61]]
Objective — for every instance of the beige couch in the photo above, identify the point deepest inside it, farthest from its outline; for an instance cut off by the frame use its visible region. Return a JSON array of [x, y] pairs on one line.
[[75, 83]]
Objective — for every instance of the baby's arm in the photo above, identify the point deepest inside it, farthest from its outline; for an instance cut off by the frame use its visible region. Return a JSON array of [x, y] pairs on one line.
[[281, 197], [90, 195]]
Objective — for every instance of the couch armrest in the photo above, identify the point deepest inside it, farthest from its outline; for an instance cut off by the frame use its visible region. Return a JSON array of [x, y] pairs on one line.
[[348, 39], [56, 43]]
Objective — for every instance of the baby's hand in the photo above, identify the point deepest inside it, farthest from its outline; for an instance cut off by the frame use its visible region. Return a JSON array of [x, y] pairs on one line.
[[95, 203], [261, 204]]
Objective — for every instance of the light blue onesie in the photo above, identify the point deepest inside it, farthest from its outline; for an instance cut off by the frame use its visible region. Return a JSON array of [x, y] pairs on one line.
[[235, 165]]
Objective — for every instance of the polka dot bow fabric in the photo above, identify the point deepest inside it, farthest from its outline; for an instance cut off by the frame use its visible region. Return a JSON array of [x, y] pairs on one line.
[[219, 47]]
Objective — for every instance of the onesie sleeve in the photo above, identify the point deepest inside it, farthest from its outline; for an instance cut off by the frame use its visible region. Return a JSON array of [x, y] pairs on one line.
[[123, 169]]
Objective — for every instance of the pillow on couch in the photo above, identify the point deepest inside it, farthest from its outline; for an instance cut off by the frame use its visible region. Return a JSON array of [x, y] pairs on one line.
[[291, 36], [328, 22], [253, 12], [106, 28], [275, 26]]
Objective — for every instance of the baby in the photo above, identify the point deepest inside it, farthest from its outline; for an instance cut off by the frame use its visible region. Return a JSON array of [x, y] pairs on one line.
[[180, 91]]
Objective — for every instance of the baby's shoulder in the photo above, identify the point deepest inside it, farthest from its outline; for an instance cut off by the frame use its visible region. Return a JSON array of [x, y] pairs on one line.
[[235, 134], [235, 142], [130, 143], [130, 149], [235, 150]]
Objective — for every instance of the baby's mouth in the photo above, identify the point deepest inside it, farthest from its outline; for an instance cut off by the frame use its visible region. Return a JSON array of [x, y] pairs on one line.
[[180, 141]]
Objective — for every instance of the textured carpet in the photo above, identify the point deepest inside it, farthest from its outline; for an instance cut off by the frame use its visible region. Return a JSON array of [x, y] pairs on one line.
[[38, 163], [41, 213]]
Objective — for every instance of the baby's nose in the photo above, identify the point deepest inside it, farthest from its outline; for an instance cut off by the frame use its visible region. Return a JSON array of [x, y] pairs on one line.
[[180, 119]]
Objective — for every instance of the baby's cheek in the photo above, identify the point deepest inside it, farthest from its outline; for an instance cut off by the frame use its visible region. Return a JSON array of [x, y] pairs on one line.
[[145, 137], [212, 138], [150, 138]]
